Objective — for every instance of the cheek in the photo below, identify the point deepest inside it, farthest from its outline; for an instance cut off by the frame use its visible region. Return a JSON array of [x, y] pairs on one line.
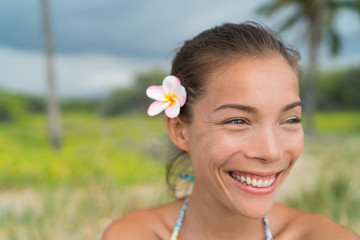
[[214, 150], [210, 150], [293, 144]]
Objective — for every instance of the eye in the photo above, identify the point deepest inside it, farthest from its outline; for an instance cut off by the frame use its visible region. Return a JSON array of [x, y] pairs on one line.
[[293, 120], [236, 121]]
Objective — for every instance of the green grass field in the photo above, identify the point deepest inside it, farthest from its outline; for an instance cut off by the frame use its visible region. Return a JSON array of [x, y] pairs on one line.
[[110, 166], [338, 123], [122, 150]]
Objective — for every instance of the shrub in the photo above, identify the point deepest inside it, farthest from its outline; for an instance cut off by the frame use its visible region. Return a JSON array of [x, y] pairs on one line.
[[338, 89], [12, 107], [124, 100]]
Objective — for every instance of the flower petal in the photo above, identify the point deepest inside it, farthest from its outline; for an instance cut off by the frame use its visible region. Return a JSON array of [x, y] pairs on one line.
[[182, 96], [174, 110], [170, 83], [156, 93], [157, 107]]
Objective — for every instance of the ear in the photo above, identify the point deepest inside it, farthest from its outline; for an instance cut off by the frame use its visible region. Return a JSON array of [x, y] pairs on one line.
[[178, 133]]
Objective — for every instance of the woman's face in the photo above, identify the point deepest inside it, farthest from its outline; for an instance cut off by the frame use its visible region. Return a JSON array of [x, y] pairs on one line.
[[246, 134]]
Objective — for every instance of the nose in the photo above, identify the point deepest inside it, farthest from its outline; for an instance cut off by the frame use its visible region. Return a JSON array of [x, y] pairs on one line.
[[264, 145]]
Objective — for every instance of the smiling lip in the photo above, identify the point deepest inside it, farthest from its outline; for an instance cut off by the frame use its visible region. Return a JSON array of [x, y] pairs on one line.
[[258, 183]]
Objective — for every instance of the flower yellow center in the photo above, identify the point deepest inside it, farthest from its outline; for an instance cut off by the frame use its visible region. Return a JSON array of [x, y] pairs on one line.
[[170, 97]]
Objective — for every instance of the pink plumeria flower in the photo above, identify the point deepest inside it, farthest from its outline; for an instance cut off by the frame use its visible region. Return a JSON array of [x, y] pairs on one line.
[[169, 97]]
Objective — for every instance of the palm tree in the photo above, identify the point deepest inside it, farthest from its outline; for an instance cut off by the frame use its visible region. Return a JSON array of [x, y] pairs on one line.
[[52, 102], [319, 17]]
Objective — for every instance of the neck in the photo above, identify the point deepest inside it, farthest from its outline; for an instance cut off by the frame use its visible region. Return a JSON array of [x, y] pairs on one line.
[[207, 218]]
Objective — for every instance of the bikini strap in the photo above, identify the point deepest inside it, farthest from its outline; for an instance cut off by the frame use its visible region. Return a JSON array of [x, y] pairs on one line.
[[177, 227], [267, 229]]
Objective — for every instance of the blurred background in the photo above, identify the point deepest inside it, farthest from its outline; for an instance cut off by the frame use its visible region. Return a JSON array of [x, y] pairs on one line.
[[77, 149]]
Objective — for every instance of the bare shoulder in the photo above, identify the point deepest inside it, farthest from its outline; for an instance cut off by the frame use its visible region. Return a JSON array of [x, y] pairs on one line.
[[132, 226], [154, 223], [320, 227], [305, 225]]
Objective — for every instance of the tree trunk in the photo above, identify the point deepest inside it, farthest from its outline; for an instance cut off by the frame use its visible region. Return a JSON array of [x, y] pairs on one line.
[[315, 30], [52, 101], [310, 90]]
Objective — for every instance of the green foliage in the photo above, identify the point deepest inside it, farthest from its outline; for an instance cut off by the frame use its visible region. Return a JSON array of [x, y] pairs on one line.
[[132, 99], [17, 107], [6, 114], [145, 79], [339, 89], [120, 101], [12, 107], [35, 104], [79, 105]]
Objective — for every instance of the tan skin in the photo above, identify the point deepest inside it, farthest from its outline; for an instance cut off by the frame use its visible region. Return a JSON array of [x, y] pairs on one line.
[[248, 121]]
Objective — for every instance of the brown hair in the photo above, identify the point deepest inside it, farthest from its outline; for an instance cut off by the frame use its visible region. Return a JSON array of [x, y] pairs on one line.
[[209, 51]]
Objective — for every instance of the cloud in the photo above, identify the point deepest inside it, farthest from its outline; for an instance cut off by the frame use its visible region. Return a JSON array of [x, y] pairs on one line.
[[135, 29], [125, 28], [80, 75]]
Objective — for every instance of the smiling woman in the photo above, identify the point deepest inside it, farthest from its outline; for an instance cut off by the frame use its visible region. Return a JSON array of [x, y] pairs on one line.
[[240, 126]]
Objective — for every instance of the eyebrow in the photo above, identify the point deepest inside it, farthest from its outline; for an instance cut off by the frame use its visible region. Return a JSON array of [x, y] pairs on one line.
[[291, 105], [250, 109], [237, 106]]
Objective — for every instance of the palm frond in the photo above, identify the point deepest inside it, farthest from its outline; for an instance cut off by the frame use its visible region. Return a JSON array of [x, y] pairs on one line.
[[335, 41], [350, 4], [273, 6], [290, 21], [331, 32], [311, 12]]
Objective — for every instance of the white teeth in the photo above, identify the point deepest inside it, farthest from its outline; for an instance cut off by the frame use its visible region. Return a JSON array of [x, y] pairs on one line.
[[243, 179], [266, 183], [253, 182]]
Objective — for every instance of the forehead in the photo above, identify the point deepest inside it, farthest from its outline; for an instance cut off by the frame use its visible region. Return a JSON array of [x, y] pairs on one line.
[[254, 80]]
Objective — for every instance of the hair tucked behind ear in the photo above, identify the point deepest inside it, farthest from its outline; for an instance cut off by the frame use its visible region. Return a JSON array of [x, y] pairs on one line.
[[209, 51], [179, 163]]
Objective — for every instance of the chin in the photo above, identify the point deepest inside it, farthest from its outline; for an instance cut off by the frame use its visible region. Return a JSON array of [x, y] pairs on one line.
[[255, 208], [259, 210]]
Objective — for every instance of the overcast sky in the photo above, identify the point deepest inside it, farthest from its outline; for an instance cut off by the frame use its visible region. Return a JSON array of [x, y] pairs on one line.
[[101, 43]]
